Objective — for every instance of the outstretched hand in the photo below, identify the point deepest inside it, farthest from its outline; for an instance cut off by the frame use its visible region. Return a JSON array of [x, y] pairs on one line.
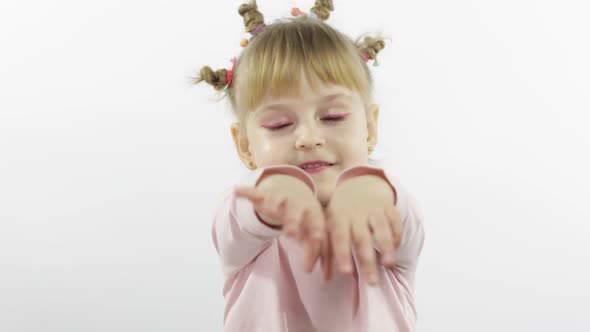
[[362, 207], [287, 203]]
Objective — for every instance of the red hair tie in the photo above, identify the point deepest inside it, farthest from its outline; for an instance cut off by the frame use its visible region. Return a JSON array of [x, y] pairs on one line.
[[230, 73], [365, 55]]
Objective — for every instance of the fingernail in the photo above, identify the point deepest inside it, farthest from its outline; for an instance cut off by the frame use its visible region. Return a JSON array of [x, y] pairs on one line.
[[347, 268]]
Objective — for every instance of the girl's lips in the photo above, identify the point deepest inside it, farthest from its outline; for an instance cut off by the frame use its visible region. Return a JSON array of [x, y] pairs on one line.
[[318, 169]]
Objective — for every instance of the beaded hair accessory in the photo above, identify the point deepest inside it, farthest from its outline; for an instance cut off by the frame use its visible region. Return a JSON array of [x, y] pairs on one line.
[[258, 29]]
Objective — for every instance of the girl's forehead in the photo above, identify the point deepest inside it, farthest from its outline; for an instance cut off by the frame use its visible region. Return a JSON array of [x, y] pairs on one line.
[[322, 95], [308, 91], [289, 102]]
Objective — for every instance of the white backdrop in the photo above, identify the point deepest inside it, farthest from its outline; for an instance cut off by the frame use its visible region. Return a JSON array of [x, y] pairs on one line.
[[111, 162]]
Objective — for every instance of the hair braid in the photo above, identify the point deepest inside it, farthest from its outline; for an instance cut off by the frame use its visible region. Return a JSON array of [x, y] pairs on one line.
[[216, 78], [322, 9], [252, 17], [371, 46]]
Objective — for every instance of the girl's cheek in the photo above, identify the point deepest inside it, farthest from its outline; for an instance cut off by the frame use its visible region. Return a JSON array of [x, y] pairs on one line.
[[271, 147]]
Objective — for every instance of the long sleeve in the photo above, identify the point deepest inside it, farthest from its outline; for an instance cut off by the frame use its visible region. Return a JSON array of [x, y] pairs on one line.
[[238, 234], [266, 288], [411, 216]]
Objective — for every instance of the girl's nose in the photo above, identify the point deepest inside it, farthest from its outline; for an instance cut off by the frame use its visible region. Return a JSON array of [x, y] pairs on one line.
[[309, 137]]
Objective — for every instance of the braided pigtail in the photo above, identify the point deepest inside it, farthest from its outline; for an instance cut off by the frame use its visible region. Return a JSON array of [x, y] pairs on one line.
[[218, 78], [322, 9], [369, 47], [252, 17], [253, 20]]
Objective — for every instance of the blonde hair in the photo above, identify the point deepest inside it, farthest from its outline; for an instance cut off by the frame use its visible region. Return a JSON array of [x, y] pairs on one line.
[[277, 57]]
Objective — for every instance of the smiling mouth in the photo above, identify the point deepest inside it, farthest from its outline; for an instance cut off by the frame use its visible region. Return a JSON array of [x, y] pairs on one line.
[[315, 165], [317, 169]]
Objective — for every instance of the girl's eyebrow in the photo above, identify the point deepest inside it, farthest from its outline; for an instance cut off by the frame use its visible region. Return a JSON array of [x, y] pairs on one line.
[[286, 106], [331, 97]]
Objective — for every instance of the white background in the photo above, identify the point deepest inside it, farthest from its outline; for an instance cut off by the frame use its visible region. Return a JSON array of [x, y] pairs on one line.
[[111, 162]]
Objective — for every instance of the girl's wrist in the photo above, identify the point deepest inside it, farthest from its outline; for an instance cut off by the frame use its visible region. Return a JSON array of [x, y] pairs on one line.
[[287, 170]]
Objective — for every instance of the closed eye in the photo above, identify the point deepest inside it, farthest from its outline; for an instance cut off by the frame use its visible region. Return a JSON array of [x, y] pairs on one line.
[[279, 127], [335, 118], [330, 119]]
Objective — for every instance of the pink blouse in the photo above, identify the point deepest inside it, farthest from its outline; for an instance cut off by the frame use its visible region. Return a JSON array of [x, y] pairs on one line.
[[266, 288]]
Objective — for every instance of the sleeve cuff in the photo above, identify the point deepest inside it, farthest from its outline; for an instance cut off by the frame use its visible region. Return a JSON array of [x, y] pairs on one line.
[[265, 223], [287, 170], [366, 170]]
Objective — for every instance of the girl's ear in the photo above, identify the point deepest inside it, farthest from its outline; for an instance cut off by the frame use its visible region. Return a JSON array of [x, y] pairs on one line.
[[372, 121], [241, 143]]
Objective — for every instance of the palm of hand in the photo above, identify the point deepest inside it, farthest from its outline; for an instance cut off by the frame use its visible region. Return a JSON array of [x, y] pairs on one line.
[[355, 213]]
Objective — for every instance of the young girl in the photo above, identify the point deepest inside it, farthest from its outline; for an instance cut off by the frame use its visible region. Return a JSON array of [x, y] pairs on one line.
[[306, 123]]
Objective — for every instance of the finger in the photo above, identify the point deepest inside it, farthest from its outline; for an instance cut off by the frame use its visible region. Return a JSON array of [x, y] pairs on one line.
[[249, 193], [316, 223], [327, 253], [383, 234], [327, 218], [396, 225], [340, 238], [312, 254], [294, 215], [313, 238], [301, 235], [326, 257], [366, 253], [270, 206], [315, 253], [253, 195]]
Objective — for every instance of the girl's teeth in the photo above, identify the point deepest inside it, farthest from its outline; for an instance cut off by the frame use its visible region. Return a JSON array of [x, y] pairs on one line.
[[315, 165]]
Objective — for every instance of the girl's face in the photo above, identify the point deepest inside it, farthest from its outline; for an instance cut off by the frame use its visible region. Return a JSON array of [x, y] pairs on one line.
[[331, 125]]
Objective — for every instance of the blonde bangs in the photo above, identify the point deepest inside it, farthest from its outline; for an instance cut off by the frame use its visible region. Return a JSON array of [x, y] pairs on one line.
[[277, 58]]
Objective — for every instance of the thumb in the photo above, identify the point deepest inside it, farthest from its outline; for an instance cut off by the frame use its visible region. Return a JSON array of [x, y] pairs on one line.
[[249, 193]]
